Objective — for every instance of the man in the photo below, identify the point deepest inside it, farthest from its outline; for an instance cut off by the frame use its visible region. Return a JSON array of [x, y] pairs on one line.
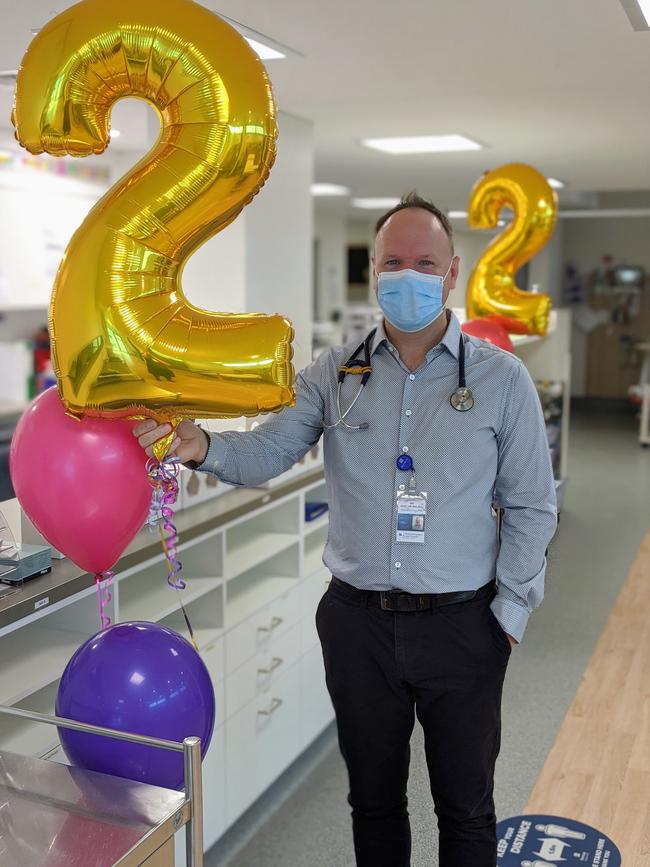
[[413, 621]]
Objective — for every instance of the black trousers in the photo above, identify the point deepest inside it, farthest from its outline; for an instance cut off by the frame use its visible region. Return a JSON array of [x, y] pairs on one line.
[[446, 665]]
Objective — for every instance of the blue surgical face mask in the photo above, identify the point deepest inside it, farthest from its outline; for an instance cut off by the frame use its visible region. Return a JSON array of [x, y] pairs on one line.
[[410, 300]]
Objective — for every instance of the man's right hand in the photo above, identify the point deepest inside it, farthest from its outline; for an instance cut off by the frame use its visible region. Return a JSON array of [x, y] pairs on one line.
[[190, 443]]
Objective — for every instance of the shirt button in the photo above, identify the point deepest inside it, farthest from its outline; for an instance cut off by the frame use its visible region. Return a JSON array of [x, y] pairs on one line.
[[411, 376], [398, 565], [405, 449], [408, 412]]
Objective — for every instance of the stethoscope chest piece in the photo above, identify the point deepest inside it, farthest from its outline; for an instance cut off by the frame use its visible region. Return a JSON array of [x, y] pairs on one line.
[[462, 399]]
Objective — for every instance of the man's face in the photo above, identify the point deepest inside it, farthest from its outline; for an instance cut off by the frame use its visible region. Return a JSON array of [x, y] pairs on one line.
[[414, 238]]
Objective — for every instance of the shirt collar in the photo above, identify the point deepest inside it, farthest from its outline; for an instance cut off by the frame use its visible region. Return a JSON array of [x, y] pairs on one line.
[[450, 339]]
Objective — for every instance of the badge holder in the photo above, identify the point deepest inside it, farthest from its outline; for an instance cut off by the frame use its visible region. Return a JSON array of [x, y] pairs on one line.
[[411, 514]]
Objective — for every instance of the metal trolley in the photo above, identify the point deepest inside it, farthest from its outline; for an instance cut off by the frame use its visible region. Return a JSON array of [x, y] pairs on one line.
[[52, 814]]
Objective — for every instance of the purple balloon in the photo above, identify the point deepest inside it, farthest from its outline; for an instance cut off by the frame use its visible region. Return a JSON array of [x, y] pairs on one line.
[[142, 678]]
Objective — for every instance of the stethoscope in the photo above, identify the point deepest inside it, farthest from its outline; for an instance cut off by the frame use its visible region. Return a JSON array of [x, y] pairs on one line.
[[462, 399]]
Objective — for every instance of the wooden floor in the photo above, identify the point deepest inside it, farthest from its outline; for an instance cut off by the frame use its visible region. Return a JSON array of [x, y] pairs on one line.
[[598, 770]]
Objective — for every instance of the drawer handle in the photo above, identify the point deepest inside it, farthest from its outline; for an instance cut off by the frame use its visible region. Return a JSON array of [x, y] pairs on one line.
[[275, 704], [275, 622], [277, 660]]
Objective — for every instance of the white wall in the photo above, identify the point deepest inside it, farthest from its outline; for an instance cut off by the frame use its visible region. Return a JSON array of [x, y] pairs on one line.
[[262, 263], [279, 236], [331, 265], [468, 246]]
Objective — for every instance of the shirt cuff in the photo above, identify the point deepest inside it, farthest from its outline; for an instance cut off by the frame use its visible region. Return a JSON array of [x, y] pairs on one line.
[[215, 458], [513, 618]]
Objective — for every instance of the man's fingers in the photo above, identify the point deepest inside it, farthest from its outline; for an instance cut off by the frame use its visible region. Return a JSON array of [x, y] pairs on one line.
[[143, 427], [159, 431]]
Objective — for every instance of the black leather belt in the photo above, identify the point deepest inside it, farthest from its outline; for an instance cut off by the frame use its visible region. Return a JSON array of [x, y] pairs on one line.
[[398, 600]]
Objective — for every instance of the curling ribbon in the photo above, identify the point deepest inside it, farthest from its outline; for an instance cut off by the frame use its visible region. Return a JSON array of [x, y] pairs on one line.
[[164, 480], [103, 581]]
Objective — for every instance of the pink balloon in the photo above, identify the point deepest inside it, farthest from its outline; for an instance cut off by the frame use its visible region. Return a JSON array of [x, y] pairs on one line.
[[82, 483], [490, 331]]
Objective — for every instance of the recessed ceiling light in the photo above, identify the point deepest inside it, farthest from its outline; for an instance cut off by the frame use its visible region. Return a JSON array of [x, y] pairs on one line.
[[555, 183], [457, 215], [638, 11], [265, 52], [329, 190], [115, 133], [375, 204], [265, 47], [422, 144]]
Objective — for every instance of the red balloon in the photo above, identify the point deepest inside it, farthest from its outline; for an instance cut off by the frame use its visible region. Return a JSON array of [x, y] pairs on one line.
[[512, 326], [82, 483], [490, 331]]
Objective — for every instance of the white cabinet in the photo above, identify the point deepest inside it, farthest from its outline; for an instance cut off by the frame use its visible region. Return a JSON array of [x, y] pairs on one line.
[[214, 789], [261, 740], [256, 633], [260, 673]]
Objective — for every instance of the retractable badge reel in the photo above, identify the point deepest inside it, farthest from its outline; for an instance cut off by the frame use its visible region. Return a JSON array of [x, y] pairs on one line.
[[411, 506]]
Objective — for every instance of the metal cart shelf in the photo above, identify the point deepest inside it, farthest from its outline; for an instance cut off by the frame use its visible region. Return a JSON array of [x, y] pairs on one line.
[[54, 815]]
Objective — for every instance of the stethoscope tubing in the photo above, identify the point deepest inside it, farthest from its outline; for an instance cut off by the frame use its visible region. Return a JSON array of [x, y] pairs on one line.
[[464, 403]]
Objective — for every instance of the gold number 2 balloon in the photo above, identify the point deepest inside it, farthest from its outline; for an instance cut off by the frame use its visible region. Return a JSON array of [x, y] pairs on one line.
[[126, 342], [491, 289]]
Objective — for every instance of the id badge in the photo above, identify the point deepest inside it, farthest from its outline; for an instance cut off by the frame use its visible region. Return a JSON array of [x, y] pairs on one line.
[[411, 516]]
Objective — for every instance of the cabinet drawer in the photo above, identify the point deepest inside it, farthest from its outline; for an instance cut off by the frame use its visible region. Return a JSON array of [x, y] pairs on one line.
[[262, 739], [260, 673], [316, 711], [257, 632]]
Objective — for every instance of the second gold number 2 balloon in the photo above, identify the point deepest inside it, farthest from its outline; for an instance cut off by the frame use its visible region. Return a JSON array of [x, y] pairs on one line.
[[126, 341], [491, 288]]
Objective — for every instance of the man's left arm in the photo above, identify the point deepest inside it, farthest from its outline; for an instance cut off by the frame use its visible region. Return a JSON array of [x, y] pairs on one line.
[[525, 491]]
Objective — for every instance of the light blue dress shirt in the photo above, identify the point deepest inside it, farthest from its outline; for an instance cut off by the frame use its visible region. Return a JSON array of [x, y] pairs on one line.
[[497, 452]]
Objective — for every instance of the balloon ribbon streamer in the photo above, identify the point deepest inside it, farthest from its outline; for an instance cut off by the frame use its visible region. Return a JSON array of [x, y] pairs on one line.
[[103, 581], [164, 480]]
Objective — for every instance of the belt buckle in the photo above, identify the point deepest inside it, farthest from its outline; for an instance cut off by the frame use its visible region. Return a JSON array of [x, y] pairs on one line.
[[400, 601]]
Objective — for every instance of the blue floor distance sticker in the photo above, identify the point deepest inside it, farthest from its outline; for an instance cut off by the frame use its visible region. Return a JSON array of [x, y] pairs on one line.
[[548, 841]]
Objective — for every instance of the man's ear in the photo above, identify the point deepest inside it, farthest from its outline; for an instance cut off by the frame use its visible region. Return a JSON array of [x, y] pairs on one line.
[[455, 267]]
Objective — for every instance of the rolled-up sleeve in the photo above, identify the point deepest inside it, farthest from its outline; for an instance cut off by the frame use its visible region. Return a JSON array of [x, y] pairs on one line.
[[525, 490], [252, 457]]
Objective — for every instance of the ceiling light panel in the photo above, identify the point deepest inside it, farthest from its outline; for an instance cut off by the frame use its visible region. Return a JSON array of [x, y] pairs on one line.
[[422, 144], [265, 52], [638, 11], [266, 47], [375, 204], [329, 190]]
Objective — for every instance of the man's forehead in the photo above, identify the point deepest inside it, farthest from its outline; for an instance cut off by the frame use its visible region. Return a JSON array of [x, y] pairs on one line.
[[415, 228]]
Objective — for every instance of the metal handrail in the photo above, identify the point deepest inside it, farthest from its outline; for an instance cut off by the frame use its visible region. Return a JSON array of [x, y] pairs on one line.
[[190, 747]]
